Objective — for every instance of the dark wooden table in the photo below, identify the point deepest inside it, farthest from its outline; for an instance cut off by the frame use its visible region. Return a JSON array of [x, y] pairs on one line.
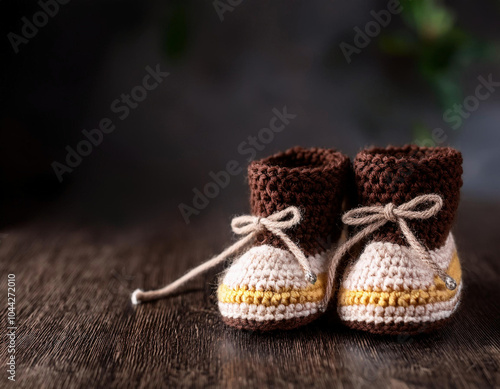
[[77, 327]]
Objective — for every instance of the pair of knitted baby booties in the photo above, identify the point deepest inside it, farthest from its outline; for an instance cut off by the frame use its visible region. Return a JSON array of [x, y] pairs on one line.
[[371, 239]]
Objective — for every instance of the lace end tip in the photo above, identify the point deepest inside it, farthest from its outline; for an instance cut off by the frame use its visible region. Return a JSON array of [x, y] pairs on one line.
[[311, 277], [450, 283], [134, 298]]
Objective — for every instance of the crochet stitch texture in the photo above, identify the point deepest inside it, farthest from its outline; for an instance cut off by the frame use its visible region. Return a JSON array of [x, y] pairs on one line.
[[387, 289], [265, 289]]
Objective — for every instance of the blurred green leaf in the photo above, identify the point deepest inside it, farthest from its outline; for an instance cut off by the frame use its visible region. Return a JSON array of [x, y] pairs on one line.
[[447, 89], [421, 132], [440, 49], [430, 19]]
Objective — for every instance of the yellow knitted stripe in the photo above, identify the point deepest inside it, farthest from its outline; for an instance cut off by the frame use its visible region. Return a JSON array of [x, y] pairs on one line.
[[287, 296], [436, 293]]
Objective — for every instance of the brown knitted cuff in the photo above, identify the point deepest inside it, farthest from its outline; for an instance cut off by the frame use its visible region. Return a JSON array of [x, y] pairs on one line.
[[400, 174], [314, 180]]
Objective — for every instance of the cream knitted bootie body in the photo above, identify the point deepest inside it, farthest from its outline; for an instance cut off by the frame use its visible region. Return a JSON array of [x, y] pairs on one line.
[[267, 287], [407, 278], [280, 278]]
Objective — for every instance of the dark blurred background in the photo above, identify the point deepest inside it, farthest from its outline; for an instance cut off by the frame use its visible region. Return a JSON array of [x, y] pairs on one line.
[[230, 63]]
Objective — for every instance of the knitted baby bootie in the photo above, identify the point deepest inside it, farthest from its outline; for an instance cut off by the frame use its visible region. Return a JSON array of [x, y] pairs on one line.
[[268, 287], [407, 278], [280, 278]]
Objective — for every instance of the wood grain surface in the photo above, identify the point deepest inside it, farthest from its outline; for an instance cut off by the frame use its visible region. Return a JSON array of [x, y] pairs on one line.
[[78, 329]]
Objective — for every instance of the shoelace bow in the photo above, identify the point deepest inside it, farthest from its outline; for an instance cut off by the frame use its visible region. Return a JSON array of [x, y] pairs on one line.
[[248, 226]]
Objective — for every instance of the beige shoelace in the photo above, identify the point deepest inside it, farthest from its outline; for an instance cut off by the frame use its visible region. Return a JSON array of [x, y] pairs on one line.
[[373, 218], [249, 226]]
